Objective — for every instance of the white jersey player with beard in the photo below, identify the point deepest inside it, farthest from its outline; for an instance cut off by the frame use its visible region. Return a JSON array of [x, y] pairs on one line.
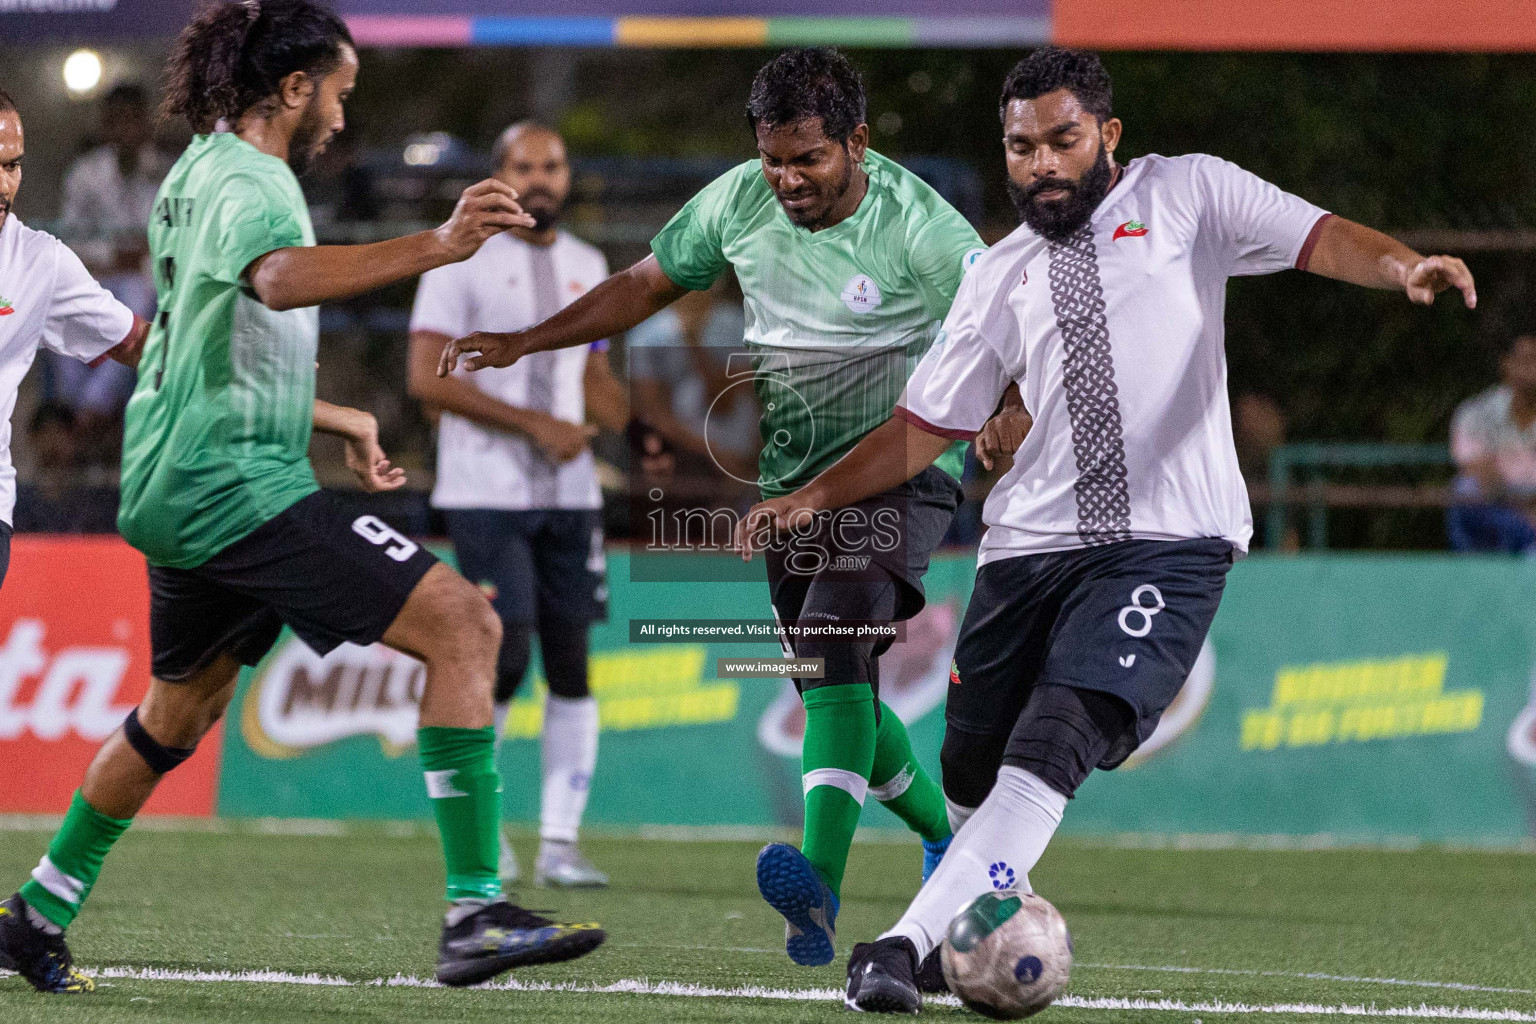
[[1106, 308], [1116, 338]]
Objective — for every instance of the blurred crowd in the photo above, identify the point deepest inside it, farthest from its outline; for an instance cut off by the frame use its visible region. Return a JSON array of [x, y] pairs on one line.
[[691, 429]]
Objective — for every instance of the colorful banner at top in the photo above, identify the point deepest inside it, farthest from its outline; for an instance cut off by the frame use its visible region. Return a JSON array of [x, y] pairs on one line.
[[1305, 25]]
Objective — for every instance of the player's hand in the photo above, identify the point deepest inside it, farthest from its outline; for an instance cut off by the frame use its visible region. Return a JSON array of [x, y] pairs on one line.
[[484, 209], [491, 349], [1434, 274], [367, 460], [563, 441], [1002, 435], [766, 519]]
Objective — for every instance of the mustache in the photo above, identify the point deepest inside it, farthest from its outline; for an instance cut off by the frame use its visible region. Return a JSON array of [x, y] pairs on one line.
[[537, 193], [1047, 184]]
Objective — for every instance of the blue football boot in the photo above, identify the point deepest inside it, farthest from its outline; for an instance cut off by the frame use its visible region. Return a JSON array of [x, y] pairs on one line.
[[933, 852], [792, 887]]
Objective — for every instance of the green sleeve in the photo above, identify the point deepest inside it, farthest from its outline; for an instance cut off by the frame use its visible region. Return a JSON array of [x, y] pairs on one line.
[[253, 215], [940, 253], [690, 248]]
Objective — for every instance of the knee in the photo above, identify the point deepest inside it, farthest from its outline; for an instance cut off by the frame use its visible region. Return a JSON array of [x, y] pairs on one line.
[[512, 659], [470, 630], [969, 763], [842, 661], [564, 646], [1063, 734]]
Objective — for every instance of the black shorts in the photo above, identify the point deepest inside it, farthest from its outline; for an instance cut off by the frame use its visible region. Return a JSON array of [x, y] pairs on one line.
[[835, 570], [332, 575], [538, 565], [5, 550], [1126, 619]]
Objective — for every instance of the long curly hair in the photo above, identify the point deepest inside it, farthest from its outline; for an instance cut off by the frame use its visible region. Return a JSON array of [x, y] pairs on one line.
[[234, 55]]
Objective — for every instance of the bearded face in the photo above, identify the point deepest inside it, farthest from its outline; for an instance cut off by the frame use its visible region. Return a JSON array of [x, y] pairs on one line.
[[1055, 207]]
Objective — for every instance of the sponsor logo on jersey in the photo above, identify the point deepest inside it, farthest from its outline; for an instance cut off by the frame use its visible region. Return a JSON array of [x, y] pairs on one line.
[[1130, 229], [954, 673], [971, 256], [6, 309], [75, 692], [861, 294]]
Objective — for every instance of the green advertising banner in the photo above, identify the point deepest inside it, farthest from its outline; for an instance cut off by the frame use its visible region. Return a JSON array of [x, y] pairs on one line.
[[1363, 698]]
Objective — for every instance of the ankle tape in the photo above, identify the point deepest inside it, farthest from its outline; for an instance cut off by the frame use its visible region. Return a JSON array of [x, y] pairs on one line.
[[160, 758]]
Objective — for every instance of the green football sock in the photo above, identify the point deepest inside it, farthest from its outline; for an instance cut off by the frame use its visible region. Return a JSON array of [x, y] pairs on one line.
[[64, 877], [465, 788], [835, 760], [899, 782]]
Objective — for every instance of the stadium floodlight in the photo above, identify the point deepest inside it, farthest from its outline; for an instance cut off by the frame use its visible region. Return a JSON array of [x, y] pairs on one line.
[[427, 150], [82, 72]]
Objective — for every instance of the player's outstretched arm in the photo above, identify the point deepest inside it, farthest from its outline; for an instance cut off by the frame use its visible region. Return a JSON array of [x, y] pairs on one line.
[[1347, 251], [623, 301], [364, 456], [309, 275], [889, 455]]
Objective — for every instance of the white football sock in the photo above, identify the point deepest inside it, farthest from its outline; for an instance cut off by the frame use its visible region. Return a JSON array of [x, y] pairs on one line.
[[570, 755], [996, 849], [958, 815]]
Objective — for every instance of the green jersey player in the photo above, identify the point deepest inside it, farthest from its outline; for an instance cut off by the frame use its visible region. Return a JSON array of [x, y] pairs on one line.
[[848, 264], [218, 493]]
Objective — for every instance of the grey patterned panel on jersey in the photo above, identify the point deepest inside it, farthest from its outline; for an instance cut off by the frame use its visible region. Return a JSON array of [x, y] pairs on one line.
[[543, 474], [1093, 404], [818, 402]]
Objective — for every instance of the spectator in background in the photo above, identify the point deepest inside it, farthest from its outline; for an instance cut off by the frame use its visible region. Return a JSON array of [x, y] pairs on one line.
[[53, 501], [109, 194], [1493, 439], [680, 376], [515, 479]]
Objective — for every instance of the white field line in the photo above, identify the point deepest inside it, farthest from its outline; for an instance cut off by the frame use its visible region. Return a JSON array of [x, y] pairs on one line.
[[631, 986], [1194, 841], [1310, 976]]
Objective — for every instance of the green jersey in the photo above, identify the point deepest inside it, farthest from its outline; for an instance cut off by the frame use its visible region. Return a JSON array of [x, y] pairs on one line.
[[836, 319], [216, 436]]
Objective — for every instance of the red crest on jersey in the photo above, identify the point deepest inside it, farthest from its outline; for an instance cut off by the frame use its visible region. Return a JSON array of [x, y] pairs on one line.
[[1130, 229]]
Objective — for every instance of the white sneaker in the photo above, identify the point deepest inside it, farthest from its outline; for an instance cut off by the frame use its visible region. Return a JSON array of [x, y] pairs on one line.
[[562, 865], [507, 868]]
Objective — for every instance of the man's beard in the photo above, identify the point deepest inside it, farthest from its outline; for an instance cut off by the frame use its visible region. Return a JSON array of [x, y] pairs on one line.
[[308, 139], [5, 210], [548, 214], [1058, 219], [815, 223]]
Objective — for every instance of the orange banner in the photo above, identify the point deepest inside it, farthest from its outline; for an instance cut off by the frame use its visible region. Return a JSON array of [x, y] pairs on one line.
[[74, 660], [1491, 26]]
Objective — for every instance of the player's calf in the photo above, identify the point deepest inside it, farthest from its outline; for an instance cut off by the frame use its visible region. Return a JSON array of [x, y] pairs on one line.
[[155, 738]]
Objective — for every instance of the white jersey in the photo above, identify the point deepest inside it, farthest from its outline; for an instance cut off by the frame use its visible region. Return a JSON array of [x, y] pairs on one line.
[[1116, 339], [48, 298], [506, 286]]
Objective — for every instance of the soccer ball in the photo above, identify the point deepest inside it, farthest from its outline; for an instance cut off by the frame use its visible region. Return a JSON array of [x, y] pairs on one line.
[[1007, 955]]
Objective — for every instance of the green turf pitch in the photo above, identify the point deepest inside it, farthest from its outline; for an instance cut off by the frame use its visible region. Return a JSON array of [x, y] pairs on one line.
[[1241, 927]]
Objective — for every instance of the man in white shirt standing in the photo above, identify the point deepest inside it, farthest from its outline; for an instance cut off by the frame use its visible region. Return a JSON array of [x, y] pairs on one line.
[[1109, 541], [46, 298], [515, 479], [109, 194]]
